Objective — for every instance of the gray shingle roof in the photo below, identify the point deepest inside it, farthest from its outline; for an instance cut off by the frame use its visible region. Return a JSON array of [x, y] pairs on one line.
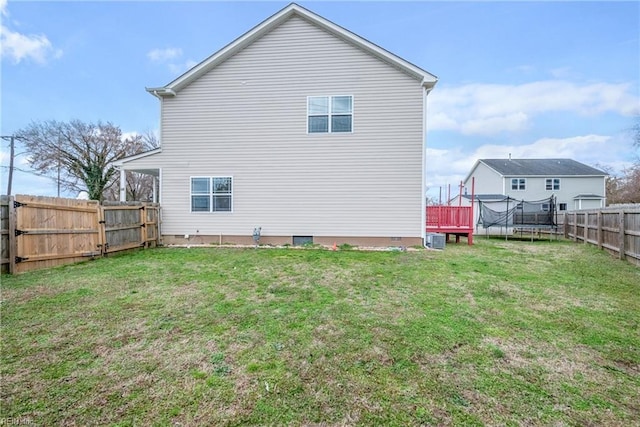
[[541, 167]]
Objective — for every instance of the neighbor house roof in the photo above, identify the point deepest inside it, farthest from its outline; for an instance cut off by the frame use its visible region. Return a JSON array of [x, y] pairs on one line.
[[427, 79], [540, 167]]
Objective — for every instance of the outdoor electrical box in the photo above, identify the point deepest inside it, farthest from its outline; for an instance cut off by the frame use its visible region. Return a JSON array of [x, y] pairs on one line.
[[435, 240]]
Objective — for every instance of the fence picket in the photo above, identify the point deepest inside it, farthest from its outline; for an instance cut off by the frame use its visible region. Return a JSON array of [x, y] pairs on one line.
[[41, 232]]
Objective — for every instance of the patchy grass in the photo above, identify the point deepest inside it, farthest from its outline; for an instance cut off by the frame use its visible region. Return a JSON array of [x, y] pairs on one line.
[[501, 333]]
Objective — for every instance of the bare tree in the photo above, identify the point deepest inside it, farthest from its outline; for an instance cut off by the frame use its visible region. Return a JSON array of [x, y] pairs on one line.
[[630, 191], [629, 185], [624, 187], [81, 152]]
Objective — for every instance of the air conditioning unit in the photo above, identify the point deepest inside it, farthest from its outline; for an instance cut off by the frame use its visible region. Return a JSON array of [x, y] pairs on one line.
[[436, 240]]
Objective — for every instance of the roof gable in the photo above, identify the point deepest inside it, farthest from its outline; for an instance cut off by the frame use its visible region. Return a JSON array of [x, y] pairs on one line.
[[427, 79], [541, 167]]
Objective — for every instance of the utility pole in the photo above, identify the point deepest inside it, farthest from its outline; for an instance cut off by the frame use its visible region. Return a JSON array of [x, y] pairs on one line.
[[12, 139]]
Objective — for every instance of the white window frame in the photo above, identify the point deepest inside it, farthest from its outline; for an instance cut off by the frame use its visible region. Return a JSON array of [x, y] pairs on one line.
[[211, 194], [552, 184], [519, 182], [330, 114]]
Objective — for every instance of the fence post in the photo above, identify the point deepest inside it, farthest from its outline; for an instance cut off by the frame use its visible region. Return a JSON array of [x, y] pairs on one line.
[[575, 226], [586, 228], [13, 239], [599, 232], [143, 228], [565, 225], [102, 234], [621, 234]]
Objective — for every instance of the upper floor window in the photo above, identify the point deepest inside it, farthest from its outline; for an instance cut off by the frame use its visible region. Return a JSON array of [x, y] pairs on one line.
[[518, 184], [328, 114], [552, 184], [211, 194]]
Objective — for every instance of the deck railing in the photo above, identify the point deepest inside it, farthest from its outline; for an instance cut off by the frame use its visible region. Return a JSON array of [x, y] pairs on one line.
[[449, 217]]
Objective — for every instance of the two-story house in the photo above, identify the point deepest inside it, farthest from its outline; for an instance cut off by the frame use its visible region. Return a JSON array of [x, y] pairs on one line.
[[299, 127], [573, 184]]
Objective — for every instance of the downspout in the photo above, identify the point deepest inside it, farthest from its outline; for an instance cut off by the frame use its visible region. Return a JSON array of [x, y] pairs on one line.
[[157, 196], [423, 216]]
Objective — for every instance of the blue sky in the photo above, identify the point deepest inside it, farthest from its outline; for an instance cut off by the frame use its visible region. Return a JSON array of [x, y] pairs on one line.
[[534, 79]]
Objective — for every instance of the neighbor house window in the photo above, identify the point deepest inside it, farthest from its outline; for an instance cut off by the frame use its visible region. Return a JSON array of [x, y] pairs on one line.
[[211, 194], [562, 206], [518, 184], [329, 114], [552, 184], [546, 207]]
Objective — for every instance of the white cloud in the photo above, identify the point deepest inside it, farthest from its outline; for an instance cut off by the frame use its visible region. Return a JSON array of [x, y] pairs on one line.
[[513, 122], [169, 56], [490, 109], [164, 55], [19, 47]]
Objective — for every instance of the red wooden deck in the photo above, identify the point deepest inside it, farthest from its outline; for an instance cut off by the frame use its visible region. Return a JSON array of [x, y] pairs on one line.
[[455, 220]]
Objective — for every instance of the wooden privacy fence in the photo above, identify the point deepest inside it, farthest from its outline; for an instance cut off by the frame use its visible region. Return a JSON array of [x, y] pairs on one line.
[[615, 229], [41, 232]]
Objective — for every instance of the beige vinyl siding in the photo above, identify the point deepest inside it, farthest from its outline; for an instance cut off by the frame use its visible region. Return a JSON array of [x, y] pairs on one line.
[[247, 118]]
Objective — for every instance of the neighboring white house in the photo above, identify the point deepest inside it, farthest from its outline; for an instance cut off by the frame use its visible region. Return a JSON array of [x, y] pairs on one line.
[[501, 185], [574, 184], [299, 127]]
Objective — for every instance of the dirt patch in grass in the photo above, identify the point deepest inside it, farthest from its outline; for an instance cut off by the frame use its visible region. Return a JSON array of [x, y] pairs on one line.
[[21, 296]]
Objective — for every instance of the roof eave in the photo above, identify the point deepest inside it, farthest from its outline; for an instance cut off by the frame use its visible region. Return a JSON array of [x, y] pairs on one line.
[[120, 162], [160, 92]]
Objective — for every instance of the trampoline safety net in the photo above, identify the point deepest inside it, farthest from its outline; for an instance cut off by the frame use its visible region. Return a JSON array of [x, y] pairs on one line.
[[509, 212]]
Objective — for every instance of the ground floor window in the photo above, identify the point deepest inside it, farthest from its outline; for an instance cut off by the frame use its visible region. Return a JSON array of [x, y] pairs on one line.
[[562, 206], [211, 194]]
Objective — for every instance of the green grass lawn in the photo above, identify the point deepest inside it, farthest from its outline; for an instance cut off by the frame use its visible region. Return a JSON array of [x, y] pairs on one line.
[[501, 333]]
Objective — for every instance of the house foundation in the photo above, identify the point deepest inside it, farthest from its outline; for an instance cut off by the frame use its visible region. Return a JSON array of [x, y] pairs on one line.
[[222, 239]]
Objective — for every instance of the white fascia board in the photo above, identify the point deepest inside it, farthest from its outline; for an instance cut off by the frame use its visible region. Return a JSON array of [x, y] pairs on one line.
[[120, 162], [427, 79]]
